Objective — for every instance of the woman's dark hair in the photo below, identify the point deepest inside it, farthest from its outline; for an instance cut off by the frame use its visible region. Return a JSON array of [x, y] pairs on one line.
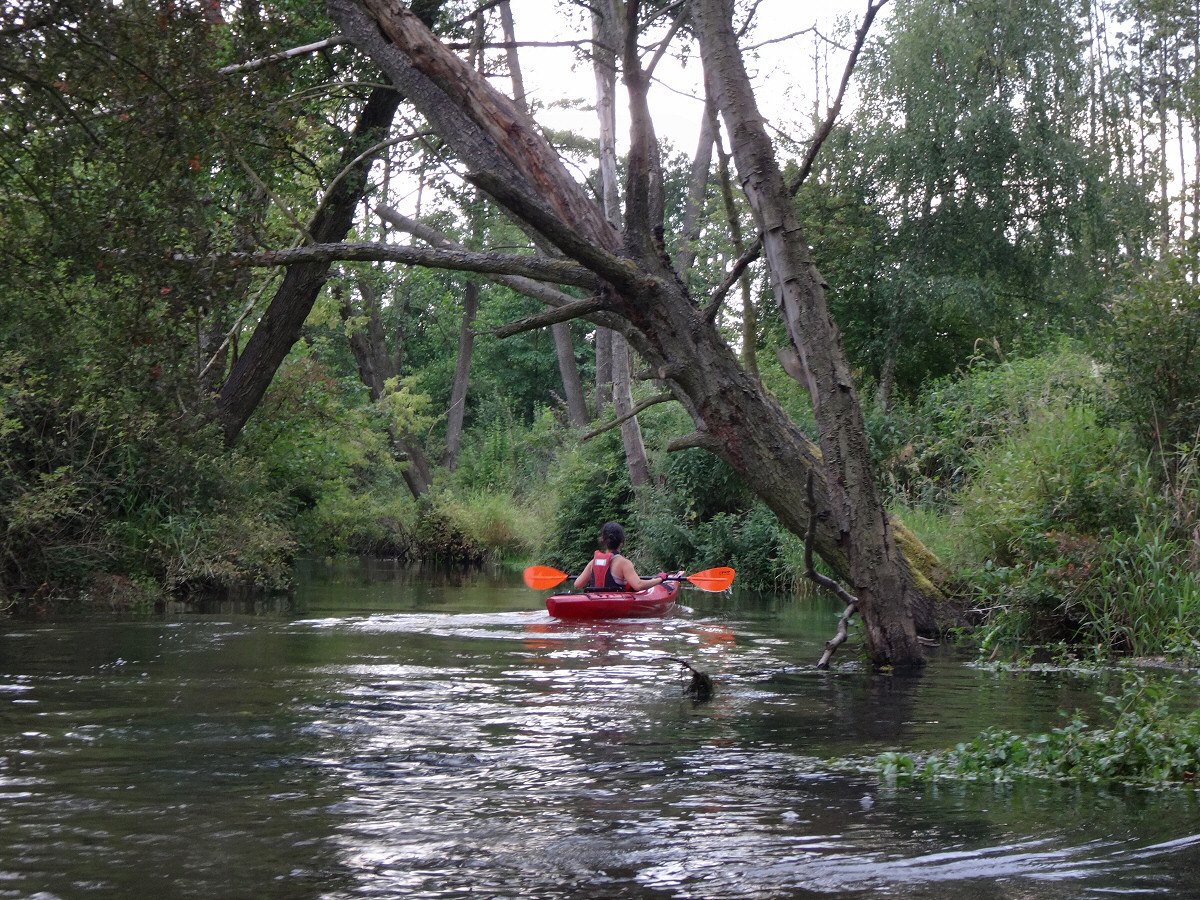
[[613, 536]]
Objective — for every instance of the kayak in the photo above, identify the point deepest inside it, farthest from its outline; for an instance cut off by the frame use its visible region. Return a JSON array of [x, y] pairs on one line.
[[654, 601]]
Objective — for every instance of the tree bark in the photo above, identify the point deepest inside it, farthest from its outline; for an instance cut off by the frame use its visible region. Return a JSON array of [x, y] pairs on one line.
[[645, 301], [462, 376], [883, 583], [607, 32]]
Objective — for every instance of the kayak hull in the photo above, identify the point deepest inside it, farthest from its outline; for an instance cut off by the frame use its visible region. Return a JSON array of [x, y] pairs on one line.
[[655, 601]]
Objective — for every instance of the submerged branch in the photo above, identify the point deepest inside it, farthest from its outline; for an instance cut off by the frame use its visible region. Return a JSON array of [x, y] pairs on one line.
[[824, 581]]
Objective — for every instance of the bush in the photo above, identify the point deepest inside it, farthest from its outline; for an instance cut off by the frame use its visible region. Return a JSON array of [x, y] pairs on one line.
[[1060, 471], [1151, 348], [505, 526], [927, 450], [99, 488], [592, 487], [372, 523], [752, 542]]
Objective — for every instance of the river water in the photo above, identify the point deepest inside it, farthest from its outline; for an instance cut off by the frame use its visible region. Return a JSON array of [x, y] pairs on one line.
[[390, 735]]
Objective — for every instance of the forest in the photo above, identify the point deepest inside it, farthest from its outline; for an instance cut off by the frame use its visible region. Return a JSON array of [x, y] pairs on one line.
[[288, 279]]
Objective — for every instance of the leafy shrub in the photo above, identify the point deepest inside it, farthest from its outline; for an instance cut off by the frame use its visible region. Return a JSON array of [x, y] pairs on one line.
[[592, 487], [1138, 595], [752, 542], [97, 484], [928, 449], [499, 454], [366, 523], [1151, 348], [441, 536], [505, 526], [1061, 471]]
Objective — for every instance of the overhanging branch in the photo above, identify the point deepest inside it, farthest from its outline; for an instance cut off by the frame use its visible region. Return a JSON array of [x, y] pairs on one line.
[[572, 310], [535, 267], [698, 439], [253, 64], [536, 290], [645, 404]]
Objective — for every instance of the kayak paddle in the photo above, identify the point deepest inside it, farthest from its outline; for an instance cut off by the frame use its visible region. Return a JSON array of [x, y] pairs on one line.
[[541, 578]]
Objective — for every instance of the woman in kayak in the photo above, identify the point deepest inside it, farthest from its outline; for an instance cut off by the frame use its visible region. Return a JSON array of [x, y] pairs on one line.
[[609, 571]]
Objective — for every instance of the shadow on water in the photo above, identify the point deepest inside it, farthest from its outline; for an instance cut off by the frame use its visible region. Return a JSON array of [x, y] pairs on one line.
[[390, 734]]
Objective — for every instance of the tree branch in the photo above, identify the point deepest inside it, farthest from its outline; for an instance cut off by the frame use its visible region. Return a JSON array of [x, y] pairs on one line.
[[536, 290], [754, 250], [537, 268], [488, 133], [697, 439], [573, 310], [860, 38], [253, 64], [816, 577], [645, 404]]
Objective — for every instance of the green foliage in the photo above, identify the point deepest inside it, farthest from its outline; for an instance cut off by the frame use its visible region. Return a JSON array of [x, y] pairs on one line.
[[593, 488], [1137, 595], [1065, 535], [963, 201], [751, 541], [501, 454], [1045, 512], [506, 527], [1061, 468], [1148, 742], [94, 481], [442, 538], [373, 522], [1151, 348], [929, 448]]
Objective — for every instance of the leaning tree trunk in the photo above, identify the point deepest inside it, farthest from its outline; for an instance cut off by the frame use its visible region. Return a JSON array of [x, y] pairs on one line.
[[644, 300], [564, 347], [279, 327], [877, 569]]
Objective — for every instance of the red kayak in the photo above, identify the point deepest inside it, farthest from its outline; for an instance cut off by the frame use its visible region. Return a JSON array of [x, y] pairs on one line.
[[654, 601]]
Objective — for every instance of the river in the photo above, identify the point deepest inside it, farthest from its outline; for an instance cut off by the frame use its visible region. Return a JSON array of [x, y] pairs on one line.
[[384, 734]]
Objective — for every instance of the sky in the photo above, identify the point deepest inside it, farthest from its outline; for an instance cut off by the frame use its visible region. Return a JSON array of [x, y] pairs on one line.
[[783, 67]]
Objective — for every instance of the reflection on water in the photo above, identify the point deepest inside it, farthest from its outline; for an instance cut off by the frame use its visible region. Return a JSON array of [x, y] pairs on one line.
[[389, 735]]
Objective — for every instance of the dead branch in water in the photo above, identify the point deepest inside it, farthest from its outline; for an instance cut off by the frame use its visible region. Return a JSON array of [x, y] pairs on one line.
[[813, 575], [700, 688]]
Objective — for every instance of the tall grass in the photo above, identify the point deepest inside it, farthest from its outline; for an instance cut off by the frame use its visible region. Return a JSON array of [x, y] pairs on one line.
[[1141, 598]]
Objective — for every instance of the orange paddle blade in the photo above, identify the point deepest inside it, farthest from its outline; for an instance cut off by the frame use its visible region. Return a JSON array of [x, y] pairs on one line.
[[542, 577], [712, 579]]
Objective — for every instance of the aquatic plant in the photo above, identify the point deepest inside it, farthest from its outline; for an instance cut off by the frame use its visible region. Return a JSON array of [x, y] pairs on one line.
[[1149, 742]]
